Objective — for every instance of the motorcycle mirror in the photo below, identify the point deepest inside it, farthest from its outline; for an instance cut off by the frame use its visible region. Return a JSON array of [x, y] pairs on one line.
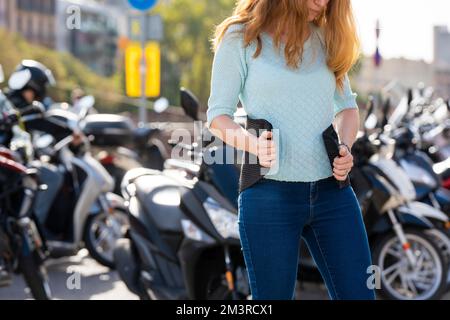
[[410, 96], [421, 88], [399, 112], [385, 111], [371, 122], [161, 105], [429, 91], [369, 107], [189, 103], [2, 75], [85, 104]]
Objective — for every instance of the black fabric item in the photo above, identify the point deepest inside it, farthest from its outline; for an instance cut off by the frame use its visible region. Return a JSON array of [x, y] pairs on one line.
[[16, 98], [331, 140], [251, 170]]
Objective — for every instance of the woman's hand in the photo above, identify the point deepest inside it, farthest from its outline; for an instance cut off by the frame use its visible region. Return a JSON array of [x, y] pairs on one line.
[[343, 164], [263, 147], [266, 149]]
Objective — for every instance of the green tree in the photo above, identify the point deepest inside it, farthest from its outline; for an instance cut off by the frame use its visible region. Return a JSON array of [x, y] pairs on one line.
[[68, 71], [186, 48]]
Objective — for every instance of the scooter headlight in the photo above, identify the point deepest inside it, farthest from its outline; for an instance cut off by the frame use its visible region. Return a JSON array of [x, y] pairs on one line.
[[193, 232], [225, 222]]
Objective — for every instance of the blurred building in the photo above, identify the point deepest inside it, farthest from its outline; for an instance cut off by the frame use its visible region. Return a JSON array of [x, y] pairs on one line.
[[95, 42], [441, 61], [121, 4], [34, 19], [406, 73], [117, 9], [44, 22]]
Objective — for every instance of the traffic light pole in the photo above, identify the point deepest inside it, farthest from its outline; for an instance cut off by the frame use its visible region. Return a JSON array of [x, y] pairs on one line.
[[143, 67]]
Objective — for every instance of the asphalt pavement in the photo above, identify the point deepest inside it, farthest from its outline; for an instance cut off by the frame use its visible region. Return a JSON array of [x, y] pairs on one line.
[[82, 278]]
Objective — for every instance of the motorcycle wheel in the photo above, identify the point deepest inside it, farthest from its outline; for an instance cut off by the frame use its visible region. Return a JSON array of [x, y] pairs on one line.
[[35, 276], [425, 281], [127, 267], [101, 232], [441, 238]]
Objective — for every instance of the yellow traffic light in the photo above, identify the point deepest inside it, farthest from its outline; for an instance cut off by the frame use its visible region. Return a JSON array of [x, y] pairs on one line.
[[133, 55], [132, 76], [153, 58]]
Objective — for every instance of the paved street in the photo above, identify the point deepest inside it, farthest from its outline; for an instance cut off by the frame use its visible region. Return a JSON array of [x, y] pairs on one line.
[[100, 283], [96, 282]]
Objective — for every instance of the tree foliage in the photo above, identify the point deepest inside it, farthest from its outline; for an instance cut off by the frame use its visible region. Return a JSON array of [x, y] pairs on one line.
[[186, 48]]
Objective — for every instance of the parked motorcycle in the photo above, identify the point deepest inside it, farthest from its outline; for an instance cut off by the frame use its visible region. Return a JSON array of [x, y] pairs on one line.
[[183, 241], [85, 213], [120, 145], [427, 130], [22, 248], [401, 234]]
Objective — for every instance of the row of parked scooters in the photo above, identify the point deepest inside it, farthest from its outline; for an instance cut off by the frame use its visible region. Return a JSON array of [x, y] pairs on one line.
[[183, 240], [169, 225], [55, 196]]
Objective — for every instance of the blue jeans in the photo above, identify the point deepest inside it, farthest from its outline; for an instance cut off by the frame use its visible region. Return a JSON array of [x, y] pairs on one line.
[[275, 215]]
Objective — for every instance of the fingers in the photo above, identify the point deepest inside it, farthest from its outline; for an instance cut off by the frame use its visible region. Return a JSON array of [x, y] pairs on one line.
[[267, 156], [342, 165], [343, 160], [340, 178], [265, 145], [265, 140], [266, 149], [268, 160], [343, 151], [266, 135], [341, 173], [266, 164]]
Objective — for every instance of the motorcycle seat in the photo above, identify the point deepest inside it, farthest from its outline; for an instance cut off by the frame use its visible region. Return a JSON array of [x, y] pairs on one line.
[[159, 196]]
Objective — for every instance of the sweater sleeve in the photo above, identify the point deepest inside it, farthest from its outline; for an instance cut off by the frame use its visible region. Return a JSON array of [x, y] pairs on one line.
[[345, 99], [228, 74]]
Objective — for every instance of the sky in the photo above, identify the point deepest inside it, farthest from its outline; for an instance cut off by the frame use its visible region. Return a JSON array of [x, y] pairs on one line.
[[406, 26]]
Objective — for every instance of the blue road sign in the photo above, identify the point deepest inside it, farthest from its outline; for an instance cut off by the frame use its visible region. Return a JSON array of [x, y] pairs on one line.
[[142, 4]]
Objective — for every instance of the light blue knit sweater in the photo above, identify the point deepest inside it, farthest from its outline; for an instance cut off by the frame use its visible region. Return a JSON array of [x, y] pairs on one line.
[[299, 103]]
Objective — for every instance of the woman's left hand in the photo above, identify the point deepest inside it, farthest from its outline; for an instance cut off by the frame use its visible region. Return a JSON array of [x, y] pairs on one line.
[[343, 164]]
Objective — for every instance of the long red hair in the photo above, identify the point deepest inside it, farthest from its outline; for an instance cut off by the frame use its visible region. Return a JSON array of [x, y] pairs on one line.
[[288, 19]]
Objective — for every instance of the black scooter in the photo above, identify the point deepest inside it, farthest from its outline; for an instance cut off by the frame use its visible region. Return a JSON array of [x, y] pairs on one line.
[[183, 240], [391, 224], [120, 145]]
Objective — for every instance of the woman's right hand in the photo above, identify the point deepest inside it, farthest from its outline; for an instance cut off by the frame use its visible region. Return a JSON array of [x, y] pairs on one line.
[[266, 152], [235, 135]]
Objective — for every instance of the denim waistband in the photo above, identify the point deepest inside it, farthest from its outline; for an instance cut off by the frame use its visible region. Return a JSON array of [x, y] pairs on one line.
[[324, 181]]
